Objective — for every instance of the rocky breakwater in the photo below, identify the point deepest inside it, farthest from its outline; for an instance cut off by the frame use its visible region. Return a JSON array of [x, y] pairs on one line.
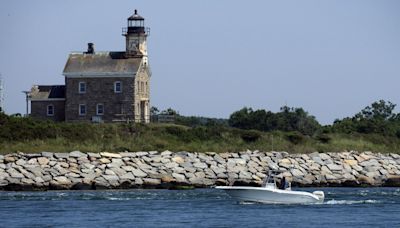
[[77, 170]]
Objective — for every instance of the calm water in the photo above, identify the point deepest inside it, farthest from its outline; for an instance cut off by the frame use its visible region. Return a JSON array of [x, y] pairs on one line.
[[343, 207]]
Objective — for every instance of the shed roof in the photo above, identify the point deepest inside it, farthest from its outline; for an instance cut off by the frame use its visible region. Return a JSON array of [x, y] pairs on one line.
[[44, 92], [101, 63]]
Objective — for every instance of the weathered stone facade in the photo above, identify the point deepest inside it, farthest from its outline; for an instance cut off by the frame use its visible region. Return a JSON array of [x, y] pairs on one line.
[[39, 110], [117, 106]]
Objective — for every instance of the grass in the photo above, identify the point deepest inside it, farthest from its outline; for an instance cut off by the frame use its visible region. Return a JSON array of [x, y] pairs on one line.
[[64, 137]]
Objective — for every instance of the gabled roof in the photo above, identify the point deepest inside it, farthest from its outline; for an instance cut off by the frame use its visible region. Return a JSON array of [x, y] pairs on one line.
[[101, 63], [45, 92]]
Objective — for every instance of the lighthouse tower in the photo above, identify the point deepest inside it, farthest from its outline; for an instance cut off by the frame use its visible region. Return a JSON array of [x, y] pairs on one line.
[[136, 34]]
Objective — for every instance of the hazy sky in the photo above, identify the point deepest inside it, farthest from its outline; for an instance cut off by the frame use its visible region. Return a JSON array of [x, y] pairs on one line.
[[211, 58]]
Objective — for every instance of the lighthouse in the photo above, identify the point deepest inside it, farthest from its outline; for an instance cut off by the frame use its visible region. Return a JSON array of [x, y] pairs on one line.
[[136, 36]]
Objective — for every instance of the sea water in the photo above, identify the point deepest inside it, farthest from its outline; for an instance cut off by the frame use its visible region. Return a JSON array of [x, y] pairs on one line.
[[343, 207]]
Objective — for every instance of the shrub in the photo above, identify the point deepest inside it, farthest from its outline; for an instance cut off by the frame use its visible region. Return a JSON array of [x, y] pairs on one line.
[[250, 136], [295, 137], [324, 138]]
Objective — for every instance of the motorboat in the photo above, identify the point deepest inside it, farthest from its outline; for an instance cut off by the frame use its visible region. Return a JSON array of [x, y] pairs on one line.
[[271, 194]]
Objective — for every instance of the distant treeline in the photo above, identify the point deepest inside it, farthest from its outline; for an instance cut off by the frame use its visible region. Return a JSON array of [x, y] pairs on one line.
[[378, 118]]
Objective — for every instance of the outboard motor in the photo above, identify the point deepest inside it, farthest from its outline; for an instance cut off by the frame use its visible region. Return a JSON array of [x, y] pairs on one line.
[[320, 195]]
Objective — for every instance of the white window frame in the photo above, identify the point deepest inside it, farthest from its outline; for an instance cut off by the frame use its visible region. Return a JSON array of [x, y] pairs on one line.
[[97, 109], [80, 109], [120, 87], [79, 87], [48, 106]]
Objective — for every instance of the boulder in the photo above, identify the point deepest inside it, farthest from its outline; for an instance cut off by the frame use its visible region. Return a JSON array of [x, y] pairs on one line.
[[128, 176], [324, 156], [43, 161], [179, 177], [171, 165], [20, 162], [245, 175], [9, 159], [141, 154], [365, 180], [166, 153], [351, 162], [139, 173], [297, 173], [47, 154], [200, 165], [110, 155], [94, 155], [178, 160], [62, 180], [61, 155], [15, 174], [104, 160], [77, 154], [334, 167]]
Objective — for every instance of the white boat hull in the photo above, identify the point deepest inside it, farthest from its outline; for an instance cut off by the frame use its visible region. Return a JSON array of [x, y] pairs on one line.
[[271, 196]]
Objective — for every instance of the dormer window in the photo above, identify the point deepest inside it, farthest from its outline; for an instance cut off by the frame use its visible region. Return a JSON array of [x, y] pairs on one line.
[[82, 87], [117, 87]]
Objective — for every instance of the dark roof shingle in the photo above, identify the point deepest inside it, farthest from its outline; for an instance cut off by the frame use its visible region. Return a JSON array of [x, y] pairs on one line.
[[41, 92]]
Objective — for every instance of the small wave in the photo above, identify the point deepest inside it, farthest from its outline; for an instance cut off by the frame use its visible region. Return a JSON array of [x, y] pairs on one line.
[[117, 198], [334, 202], [246, 203]]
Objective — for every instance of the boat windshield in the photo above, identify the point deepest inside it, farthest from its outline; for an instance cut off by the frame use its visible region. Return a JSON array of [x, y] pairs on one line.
[[270, 179]]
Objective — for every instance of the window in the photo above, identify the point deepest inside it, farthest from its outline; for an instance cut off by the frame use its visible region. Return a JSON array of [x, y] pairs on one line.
[[82, 109], [50, 110], [82, 87], [118, 87], [99, 109], [138, 88]]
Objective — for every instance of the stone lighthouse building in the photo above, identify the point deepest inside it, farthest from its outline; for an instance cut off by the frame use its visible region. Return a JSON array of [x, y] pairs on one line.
[[102, 86]]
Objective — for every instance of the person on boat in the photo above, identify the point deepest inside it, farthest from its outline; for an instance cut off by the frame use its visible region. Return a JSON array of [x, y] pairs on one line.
[[283, 184]]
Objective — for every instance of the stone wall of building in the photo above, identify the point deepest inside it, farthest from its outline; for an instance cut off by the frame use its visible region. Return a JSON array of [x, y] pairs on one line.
[[77, 170], [39, 110], [99, 91], [142, 96]]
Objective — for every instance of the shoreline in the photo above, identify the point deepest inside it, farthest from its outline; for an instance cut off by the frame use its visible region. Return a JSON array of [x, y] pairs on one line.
[[185, 170]]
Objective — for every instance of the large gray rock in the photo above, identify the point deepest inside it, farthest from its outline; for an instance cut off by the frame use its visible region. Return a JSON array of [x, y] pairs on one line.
[[139, 173], [179, 177], [15, 174], [43, 160], [62, 180], [200, 165], [20, 162], [94, 155], [110, 155], [334, 167], [61, 155], [128, 176], [77, 154], [47, 154], [297, 173]]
